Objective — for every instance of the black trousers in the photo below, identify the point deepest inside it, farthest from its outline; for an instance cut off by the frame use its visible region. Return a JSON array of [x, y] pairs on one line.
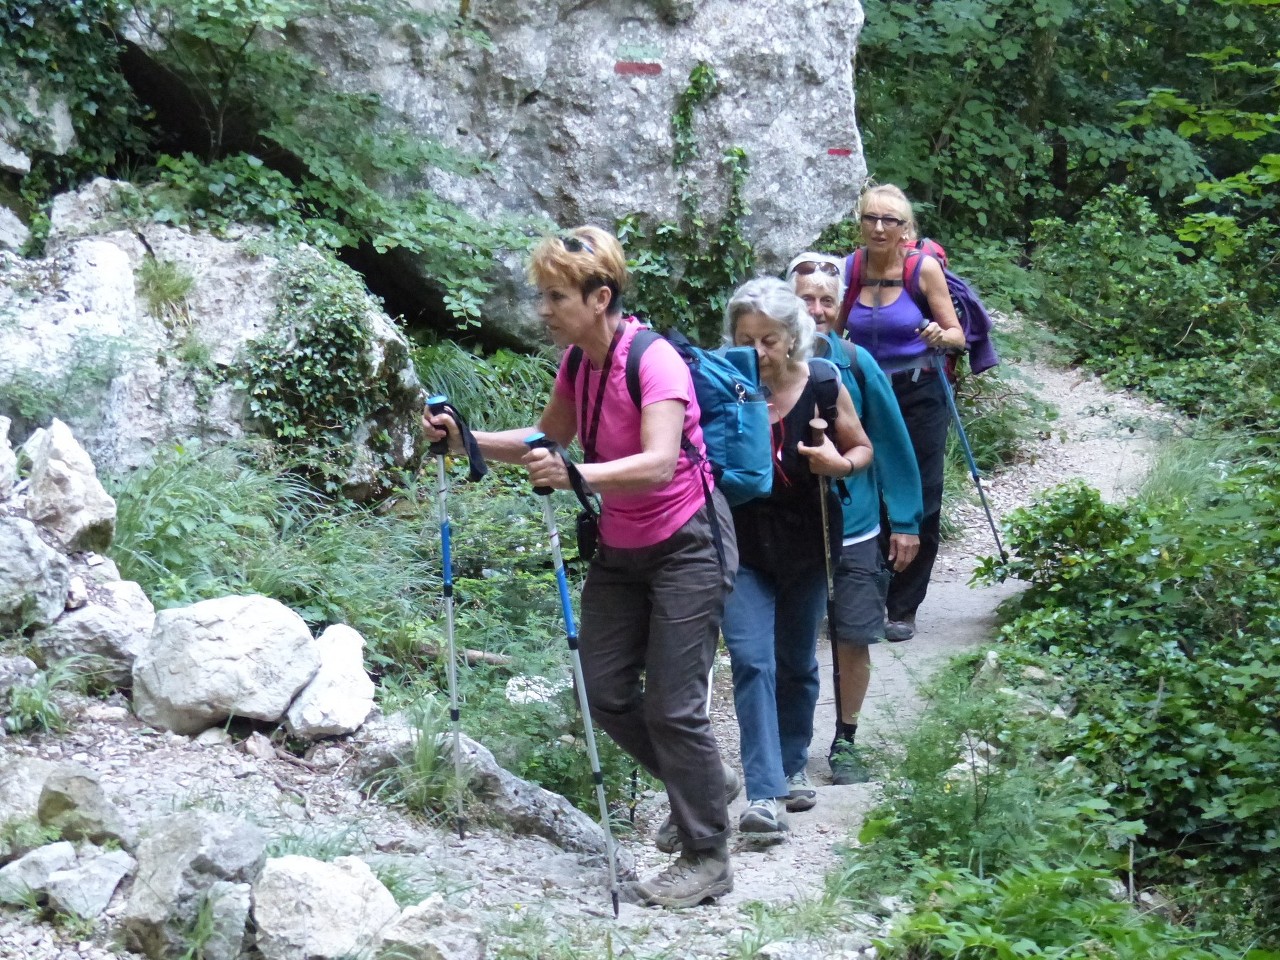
[[924, 408]]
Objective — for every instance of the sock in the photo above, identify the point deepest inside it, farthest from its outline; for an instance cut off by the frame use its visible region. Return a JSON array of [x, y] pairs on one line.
[[845, 731]]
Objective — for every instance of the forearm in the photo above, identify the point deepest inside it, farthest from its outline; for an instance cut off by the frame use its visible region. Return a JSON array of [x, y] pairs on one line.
[[639, 473], [507, 446]]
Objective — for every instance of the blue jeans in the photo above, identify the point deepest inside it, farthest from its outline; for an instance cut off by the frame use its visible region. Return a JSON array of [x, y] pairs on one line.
[[771, 629]]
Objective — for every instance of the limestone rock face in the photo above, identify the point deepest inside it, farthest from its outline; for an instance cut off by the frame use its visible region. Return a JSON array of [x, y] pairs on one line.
[[65, 496], [148, 373], [306, 909], [233, 656], [33, 578], [572, 103], [340, 696], [114, 625]]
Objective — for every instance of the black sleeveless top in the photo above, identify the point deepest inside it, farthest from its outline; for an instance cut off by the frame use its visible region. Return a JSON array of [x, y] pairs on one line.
[[782, 533]]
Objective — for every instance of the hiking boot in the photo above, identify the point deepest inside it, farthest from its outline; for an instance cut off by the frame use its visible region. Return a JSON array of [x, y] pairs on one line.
[[696, 876], [802, 796], [895, 631], [846, 764], [761, 818], [667, 839]]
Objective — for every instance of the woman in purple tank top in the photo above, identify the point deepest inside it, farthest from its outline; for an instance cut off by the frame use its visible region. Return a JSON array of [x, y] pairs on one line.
[[887, 322]]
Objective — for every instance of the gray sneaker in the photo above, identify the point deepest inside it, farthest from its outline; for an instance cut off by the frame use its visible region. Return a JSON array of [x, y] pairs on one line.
[[667, 839], [762, 818], [696, 876], [846, 764], [802, 796], [895, 631]]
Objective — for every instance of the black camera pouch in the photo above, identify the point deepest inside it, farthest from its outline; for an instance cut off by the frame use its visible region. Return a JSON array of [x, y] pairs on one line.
[[588, 528]]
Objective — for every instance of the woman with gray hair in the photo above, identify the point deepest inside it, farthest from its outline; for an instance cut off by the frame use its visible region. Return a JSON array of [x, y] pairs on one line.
[[771, 618]]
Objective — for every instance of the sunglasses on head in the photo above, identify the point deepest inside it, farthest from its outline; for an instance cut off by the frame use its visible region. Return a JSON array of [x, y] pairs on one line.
[[806, 267], [576, 245], [870, 219]]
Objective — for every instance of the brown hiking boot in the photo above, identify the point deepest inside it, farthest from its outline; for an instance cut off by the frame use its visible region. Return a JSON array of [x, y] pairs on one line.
[[696, 876]]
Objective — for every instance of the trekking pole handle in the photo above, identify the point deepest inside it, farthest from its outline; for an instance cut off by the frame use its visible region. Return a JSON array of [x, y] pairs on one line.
[[535, 441], [818, 426], [435, 406]]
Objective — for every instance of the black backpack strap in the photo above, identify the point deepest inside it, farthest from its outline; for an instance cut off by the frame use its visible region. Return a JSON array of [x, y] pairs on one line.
[[826, 386], [574, 363], [639, 344]]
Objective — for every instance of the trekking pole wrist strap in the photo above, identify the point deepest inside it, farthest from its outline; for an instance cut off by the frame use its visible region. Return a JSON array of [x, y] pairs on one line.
[[475, 459]]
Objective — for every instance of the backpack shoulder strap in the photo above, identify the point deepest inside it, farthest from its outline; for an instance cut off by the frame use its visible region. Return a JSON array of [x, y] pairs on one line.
[[573, 365], [911, 279], [852, 284], [825, 378], [639, 344]]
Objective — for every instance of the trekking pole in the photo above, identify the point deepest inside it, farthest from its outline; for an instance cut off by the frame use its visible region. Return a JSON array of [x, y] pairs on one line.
[[968, 451], [818, 426], [437, 405], [534, 441]]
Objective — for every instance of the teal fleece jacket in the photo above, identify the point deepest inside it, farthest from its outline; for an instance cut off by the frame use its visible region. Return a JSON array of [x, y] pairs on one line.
[[894, 474]]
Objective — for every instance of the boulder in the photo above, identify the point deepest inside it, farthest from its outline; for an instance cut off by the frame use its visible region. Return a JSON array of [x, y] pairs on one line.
[[33, 578], [26, 879], [306, 909], [340, 696], [228, 905], [8, 459], [73, 803], [145, 381], [385, 744], [13, 232], [431, 930], [114, 625], [65, 497], [184, 860], [22, 780], [525, 807], [230, 657], [381, 745], [17, 672], [85, 889], [571, 104]]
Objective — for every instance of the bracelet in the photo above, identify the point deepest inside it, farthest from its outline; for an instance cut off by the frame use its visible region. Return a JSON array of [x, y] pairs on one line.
[[852, 467]]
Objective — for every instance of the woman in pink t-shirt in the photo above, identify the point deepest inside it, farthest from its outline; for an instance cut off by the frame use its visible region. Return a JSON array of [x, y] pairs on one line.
[[655, 590]]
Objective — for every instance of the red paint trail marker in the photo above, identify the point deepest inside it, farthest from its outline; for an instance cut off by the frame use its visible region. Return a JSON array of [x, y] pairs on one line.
[[633, 68], [839, 152]]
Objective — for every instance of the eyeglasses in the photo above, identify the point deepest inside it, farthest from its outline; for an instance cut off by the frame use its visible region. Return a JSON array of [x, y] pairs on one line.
[[870, 219], [576, 245], [806, 267]]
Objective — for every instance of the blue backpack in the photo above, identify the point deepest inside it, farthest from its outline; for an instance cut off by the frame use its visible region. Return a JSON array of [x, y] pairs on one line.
[[734, 409]]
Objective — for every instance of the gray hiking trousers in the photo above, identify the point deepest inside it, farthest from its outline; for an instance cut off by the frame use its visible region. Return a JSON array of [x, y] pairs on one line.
[[650, 623]]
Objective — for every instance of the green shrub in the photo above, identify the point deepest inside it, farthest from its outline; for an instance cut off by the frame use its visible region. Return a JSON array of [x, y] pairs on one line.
[[1163, 619], [1152, 313], [1033, 910]]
